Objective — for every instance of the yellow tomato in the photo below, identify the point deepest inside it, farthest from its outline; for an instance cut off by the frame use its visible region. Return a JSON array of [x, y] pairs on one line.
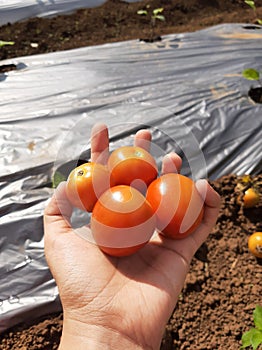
[[255, 244], [250, 198]]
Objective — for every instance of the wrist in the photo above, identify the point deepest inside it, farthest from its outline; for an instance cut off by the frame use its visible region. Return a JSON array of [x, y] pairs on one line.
[[90, 336]]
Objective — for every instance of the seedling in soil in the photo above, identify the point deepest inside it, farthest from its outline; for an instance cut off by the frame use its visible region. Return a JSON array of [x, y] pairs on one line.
[[253, 6], [6, 67], [253, 337], [4, 43], [155, 14], [254, 93]]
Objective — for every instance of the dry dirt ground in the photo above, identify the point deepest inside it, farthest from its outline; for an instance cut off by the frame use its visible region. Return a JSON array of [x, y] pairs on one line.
[[225, 281], [117, 20]]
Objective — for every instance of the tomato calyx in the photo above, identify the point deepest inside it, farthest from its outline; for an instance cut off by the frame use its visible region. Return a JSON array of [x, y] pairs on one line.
[[80, 173]]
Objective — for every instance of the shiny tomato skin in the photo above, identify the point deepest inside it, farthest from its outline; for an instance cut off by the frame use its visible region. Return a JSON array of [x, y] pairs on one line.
[[177, 204], [250, 198], [130, 165], [255, 244], [120, 252], [122, 221], [86, 183]]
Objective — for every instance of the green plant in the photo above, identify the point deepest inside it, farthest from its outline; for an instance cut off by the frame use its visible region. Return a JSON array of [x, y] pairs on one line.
[[155, 14], [253, 6], [4, 43], [253, 337], [252, 74], [57, 178]]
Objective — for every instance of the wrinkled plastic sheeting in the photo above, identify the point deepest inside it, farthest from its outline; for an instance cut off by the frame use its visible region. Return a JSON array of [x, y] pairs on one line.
[[17, 10], [187, 89]]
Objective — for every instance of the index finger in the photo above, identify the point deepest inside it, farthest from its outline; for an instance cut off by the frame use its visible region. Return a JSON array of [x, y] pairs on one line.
[[143, 139], [99, 144]]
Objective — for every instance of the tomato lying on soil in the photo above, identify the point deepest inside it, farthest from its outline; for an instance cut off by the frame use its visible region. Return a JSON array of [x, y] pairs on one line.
[[255, 244], [177, 204], [86, 183], [122, 221], [250, 198], [132, 166]]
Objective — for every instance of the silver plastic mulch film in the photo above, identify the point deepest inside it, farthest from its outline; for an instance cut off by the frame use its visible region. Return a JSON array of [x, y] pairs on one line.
[[187, 89]]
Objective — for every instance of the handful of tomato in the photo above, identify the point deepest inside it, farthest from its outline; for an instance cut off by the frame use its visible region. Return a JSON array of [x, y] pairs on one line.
[[129, 201]]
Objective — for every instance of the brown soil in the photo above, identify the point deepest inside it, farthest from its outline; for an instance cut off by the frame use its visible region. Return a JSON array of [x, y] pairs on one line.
[[224, 282], [117, 21]]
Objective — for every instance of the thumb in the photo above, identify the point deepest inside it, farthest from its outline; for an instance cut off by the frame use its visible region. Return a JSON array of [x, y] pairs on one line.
[[211, 210], [212, 202], [58, 211]]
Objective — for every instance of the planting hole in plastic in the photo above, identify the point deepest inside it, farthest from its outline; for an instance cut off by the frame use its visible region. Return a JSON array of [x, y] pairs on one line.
[[255, 94]]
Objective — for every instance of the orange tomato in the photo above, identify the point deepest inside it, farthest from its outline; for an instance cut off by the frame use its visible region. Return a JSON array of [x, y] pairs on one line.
[[86, 183], [250, 198], [177, 204], [132, 166], [122, 221], [255, 244]]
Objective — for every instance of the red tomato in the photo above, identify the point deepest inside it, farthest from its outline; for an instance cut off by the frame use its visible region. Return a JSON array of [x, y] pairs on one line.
[[86, 183], [122, 221], [132, 166], [177, 204], [255, 244]]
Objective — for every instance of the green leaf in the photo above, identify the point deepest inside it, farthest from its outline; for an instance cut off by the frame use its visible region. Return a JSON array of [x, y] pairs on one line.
[[246, 338], [142, 12], [160, 17], [57, 178], [157, 11], [253, 338], [256, 339], [257, 314], [251, 4], [259, 21], [250, 74], [3, 43]]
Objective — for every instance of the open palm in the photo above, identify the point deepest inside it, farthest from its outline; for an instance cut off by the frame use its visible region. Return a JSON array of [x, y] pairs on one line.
[[129, 298]]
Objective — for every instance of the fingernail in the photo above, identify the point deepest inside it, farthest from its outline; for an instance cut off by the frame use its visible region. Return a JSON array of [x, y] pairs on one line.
[[201, 186], [201, 182]]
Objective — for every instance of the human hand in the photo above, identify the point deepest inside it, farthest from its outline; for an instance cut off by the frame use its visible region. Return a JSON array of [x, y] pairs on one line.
[[112, 303]]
